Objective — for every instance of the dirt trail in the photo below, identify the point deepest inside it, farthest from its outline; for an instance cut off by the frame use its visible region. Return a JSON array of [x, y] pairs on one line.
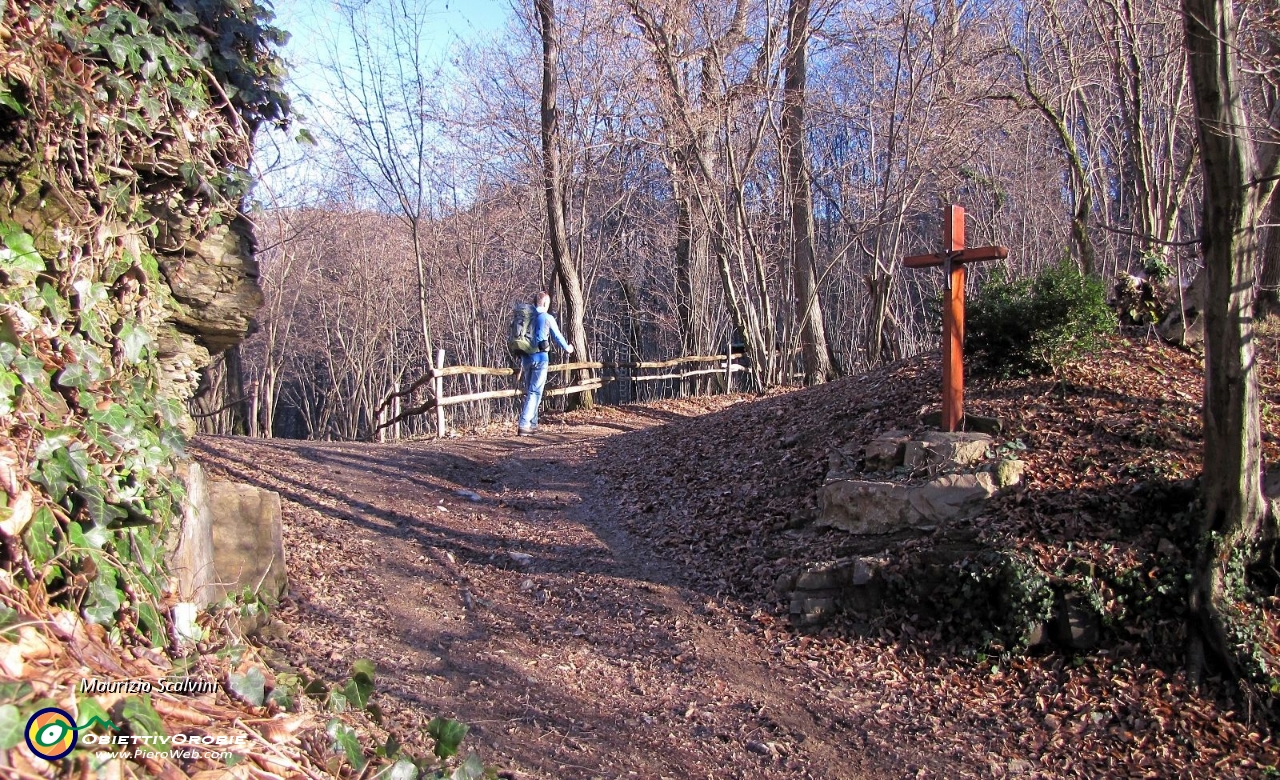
[[491, 580]]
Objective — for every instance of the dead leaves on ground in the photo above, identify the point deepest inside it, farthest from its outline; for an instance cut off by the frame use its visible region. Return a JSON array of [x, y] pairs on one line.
[[1111, 447]]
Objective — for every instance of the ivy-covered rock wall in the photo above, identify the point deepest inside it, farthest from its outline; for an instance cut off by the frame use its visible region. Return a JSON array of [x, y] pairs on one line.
[[125, 138]]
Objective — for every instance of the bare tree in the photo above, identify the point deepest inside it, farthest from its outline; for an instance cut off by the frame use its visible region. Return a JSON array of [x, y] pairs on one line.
[[1155, 135], [1050, 62], [285, 267], [385, 133], [219, 404], [553, 187], [1237, 183], [905, 125], [804, 270], [714, 147]]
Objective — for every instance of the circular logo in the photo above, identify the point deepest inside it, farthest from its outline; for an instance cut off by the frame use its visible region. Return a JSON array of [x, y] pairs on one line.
[[51, 733]]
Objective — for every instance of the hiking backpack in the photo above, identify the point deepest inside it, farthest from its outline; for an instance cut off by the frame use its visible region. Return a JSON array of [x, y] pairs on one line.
[[520, 338]]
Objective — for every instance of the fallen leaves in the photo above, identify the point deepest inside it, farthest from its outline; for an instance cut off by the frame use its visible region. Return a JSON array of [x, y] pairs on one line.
[[1107, 443]]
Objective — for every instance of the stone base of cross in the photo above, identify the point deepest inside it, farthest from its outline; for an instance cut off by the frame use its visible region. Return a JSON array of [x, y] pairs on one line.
[[953, 259]]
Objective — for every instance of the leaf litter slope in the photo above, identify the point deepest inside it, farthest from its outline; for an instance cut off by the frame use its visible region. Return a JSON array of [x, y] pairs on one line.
[[1109, 448], [597, 601]]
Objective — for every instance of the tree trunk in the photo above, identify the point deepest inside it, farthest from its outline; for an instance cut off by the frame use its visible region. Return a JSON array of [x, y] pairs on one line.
[[1269, 291], [695, 121], [1080, 230], [689, 244], [552, 179], [813, 337], [1082, 189], [237, 404], [885, 331], [419, 262], [1232, 494], [269, 391], [635, 338]]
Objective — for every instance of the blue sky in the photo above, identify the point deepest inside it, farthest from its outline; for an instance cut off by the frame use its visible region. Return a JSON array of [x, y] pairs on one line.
[[313, 25], [316, 31]]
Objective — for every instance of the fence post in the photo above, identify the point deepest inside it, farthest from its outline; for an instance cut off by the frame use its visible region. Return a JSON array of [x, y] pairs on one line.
[[728, 364], [439, 389], [396, 433]]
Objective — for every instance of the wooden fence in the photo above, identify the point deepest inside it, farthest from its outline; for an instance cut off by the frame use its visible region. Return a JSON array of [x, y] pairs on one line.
[[438, 401]]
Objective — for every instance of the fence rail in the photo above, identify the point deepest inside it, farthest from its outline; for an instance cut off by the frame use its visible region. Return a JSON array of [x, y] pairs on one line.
[[438, 400]]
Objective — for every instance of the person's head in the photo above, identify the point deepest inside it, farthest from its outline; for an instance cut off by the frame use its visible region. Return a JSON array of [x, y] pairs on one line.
[[542, 302]]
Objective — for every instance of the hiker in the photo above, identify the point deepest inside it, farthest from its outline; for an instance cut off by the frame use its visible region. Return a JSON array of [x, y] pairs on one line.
[[534, 366]]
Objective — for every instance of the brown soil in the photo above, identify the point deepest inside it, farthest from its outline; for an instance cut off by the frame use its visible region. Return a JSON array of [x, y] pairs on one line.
[[593, 657]]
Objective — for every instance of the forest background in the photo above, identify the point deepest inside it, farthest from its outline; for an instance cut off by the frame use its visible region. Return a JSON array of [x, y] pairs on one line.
[[412, 211]]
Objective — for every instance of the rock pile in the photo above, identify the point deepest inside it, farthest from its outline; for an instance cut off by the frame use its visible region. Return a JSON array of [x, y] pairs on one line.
[[824, 589], [895, 487], [899, 482], [898, 487]]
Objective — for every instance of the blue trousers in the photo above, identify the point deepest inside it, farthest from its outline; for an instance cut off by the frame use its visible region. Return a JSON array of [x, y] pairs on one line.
[[534, 368]]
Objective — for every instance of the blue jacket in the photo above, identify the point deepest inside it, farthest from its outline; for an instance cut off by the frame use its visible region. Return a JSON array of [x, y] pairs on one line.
[[545, 327]]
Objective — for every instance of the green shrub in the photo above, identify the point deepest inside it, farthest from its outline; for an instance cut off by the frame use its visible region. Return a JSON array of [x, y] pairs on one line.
[[1034, 326]]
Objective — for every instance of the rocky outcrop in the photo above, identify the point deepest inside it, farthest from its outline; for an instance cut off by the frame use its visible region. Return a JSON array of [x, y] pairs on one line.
[[214, 279], [123, 266]]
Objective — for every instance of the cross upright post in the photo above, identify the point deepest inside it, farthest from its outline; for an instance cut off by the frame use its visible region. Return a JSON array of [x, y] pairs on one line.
[[953, 259]]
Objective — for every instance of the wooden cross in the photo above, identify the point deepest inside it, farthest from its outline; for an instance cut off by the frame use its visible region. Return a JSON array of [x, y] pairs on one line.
[[953, 258]]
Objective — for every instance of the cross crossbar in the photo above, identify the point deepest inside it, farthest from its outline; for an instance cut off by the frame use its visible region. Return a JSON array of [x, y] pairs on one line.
[[977, 254]]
